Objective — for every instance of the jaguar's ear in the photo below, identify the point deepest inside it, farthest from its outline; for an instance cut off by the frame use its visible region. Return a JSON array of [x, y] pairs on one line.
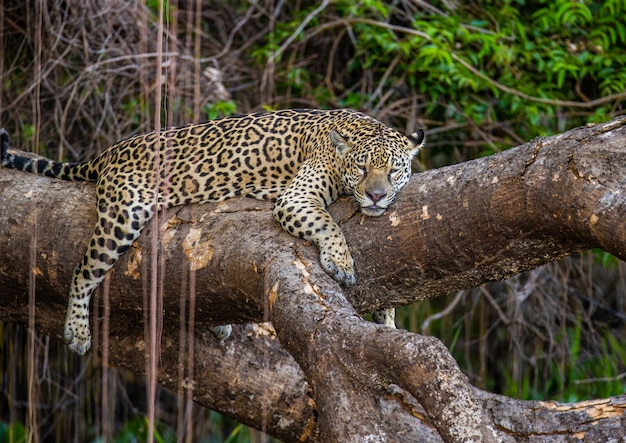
[[341, 144], [417, 138]]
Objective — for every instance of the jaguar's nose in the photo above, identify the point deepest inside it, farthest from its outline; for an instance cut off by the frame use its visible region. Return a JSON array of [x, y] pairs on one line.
[[376, 195]]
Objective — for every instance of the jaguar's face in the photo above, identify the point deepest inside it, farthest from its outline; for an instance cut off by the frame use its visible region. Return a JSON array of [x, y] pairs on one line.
[[375, 169]]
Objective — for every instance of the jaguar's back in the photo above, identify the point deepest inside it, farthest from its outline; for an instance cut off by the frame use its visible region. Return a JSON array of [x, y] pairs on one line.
[[303, 159]]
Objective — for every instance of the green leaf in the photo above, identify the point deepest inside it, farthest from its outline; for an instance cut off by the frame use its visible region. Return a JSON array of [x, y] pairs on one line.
[[13, 433]]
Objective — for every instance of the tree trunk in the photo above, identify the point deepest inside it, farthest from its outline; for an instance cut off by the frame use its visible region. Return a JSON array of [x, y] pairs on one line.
[[326, 374]]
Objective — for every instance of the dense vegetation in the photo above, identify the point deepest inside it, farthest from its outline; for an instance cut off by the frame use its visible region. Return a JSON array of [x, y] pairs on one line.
[[481, 76]]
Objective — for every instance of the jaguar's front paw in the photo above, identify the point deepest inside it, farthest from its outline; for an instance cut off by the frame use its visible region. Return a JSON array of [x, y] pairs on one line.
[[346, 277], [77, 335], [340, 267]]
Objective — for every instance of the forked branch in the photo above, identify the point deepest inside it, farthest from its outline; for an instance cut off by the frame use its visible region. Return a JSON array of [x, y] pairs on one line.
[[450, 228]]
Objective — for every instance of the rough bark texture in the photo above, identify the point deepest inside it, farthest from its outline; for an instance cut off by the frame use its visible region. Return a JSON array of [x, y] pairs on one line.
[[327, 375]]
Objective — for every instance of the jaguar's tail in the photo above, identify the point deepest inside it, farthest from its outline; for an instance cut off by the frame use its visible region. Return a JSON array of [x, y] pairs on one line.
[[73, 171]]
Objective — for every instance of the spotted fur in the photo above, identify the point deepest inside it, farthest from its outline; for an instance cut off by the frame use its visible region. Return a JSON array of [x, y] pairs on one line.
[[301, 159]]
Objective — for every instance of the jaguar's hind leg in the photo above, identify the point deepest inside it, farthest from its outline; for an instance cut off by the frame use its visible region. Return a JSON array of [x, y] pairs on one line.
[[116, 230], [386, 317], [221, 332]]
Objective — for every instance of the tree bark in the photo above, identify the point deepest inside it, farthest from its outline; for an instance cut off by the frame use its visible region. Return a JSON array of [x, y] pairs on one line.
[[326, 374]]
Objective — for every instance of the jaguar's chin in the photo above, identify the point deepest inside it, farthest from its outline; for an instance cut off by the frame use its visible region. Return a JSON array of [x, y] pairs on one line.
[[372, 211]]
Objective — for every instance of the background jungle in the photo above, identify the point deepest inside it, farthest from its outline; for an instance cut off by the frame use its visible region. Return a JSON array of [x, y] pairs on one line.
[[481, 76]]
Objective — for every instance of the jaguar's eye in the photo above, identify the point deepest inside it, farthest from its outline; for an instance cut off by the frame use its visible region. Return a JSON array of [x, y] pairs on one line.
[[361, 169], [395, 173]]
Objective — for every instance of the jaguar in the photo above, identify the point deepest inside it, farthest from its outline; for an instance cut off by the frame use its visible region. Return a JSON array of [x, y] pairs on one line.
[[302, 160]]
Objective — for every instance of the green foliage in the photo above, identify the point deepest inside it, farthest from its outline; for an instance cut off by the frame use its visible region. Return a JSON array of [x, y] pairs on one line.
[[225, 430], [220, 109], [137, 430], [168, 12], [13, 432], [594, 376], [28, 137], [531, 65], [605, 259]]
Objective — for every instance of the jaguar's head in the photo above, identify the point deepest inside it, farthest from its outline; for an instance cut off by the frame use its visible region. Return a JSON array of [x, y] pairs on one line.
[[374, 169]]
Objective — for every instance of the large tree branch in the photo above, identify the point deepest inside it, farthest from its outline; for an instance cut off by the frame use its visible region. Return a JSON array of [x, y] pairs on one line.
[[451, 228]]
